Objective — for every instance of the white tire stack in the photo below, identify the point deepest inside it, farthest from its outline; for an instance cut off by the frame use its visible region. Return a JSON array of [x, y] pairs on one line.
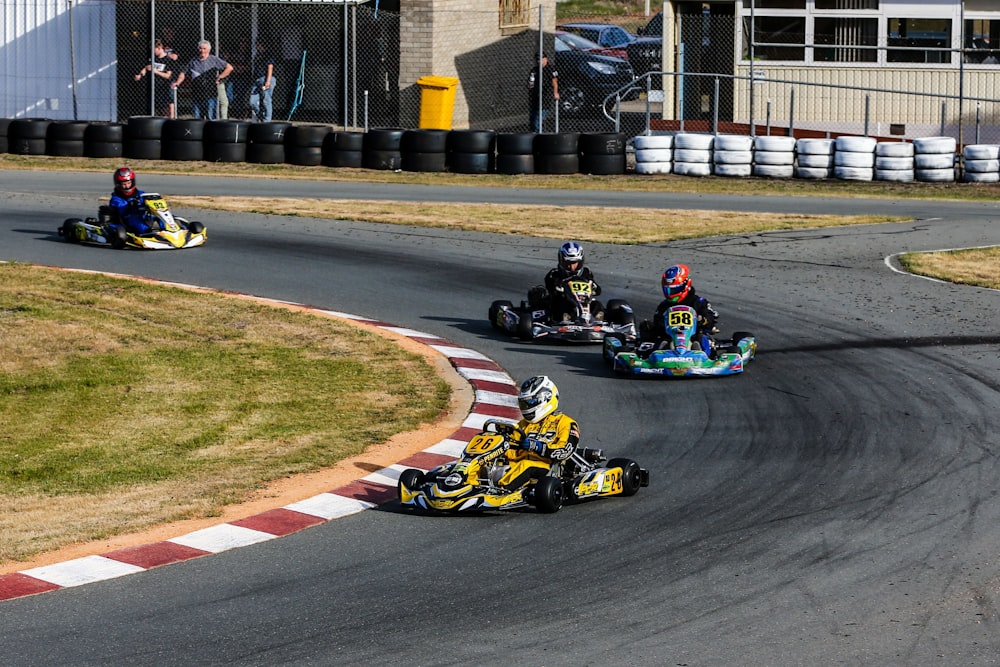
[[774, 157], [693, 154], [732, 155], [982, 163], [894, 161], [654, 154], [854, 158], [934, 159], [814, 158]]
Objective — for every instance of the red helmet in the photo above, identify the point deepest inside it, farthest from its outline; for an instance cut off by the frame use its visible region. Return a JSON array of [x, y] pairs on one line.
[[125, 182], [676, 283]]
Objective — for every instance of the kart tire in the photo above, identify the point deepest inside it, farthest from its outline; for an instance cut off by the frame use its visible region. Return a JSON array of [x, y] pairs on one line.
[[515, 143], [631, 475], [196, 227], [344, 141], [225, 152], [305, 156], [411, 478], [495, 309], [524, 326], [602, 165], [383, 160], [470, 163], [602, 143], [382, 139], [423, 162], [618, 312], [271, 133], [351, 159], [117, 237], [143, 149], [423, 141], [511, 164], [64, 148], [548, 495], [68, 230], [262, 153], [472, 141]]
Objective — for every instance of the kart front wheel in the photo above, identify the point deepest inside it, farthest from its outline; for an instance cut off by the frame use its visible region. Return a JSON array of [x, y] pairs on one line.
[[548, 494], [411, 478], [68, 230], [495, 309], [196, 227], [631, 475], [117, 237]]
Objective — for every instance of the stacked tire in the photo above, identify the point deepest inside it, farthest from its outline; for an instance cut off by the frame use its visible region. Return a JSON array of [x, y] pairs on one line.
[[183, 139], [693, 154], [981, 163], [4, 124], [557, 153], [934, 159], [64, 138], [381, 149], [602, 153], [103, 140], [343, 149], [471, 151], [226, 140], [304, 144], [774, 156], [143, 137], [814, 158], [854, 159], [26, 136], [732, 155], [894, 161], [424, 150], [515, 153], [654, 154], [266, 142]]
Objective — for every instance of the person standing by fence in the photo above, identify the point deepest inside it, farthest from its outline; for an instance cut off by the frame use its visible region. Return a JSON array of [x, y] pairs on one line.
[[263, 84], [161, 68], [206, 72], [546, 79]]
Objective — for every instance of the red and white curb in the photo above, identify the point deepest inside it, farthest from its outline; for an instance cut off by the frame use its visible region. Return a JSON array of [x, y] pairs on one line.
[[495, 397]]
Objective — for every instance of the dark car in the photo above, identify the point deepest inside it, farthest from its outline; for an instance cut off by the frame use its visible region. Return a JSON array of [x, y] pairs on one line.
[[586, 78], [607, 35], [646, 52]]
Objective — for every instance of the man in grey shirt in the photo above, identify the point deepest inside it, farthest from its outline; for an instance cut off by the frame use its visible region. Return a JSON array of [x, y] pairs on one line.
[[206, 72]]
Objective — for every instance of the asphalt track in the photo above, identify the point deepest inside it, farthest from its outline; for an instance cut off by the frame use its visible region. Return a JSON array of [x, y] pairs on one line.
[[835, 504]]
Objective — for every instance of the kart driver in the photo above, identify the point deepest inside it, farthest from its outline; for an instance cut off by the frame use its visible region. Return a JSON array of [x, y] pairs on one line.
[[678, 290], [550, 437], [126, 201], [561, 307]]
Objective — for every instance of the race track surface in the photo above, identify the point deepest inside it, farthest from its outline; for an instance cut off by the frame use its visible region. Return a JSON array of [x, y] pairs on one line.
[[835, 504]]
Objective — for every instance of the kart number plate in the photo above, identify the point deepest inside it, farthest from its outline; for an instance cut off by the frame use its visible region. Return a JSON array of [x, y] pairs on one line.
[[581, 287], [680, 318], [157, 204]]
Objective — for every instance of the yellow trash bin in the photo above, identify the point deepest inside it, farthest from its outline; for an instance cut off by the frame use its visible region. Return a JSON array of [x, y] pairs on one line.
[[437, 101]]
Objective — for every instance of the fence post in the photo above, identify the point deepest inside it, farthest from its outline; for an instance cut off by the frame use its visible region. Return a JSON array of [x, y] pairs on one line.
[[944, 110], [868, 103], [768, 123], [979, 118], [791, 112], [715, 108]]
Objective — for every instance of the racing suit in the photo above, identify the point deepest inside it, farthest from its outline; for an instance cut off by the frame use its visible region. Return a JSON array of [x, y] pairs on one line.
[[130, 212], [555, 284], [545, 445], [655, 331]]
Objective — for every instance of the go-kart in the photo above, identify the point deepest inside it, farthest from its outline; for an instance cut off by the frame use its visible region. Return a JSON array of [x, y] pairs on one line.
[[584, 319], [167, 231], [479, 479], [680, 354]]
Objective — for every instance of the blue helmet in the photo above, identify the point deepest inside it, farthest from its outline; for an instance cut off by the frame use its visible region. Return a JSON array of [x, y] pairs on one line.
[[571, 257]]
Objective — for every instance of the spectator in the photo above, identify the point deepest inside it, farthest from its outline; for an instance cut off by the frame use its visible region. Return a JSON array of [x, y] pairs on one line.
[[546, 79], [160, 66], [206, 72], [263, 84]]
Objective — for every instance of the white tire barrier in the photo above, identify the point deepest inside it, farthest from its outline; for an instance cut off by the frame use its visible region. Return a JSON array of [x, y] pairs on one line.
[[649, 168], [774, 170], [935, 175], [852, 159], [775, 144], [698, 142], [889, 163], [893, 149], [982, 166], [854, 173], [693, 168], [896, 175], [654, 155], [815, 160], [814, 146], [653, 141], [732, 157], [692, 155], [934, 160], [981, 152], [782, 158], [982, 177], [733, 169], [732, 142], [853, 144], [935, 145], [813, 173]]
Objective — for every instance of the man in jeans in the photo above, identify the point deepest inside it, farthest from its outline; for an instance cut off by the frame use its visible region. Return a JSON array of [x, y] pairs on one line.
[[263, 84], [547, 78], [206, 72]]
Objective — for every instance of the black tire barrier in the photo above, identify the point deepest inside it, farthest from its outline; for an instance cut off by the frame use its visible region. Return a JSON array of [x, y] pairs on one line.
[[384, 160], [262, 153], [382, 139], [103, 148], [183, 129], [516, 143], [64, 148], [226, 152], [427, 162], [26, 136], [304, 144], [561, 143], [344, 141], [104, 133], [353, 159], [602, 165], [187, 151], [267, 133], [472, 141], [144, 128], [142, 149], [602, 143], [4, 124], [471, 163], [515, 164], [423, 141], [557, 163], [305, 156], [66, 130], [226, 132]]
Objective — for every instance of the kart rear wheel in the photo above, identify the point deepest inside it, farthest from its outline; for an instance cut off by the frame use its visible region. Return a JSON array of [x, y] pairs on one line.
[[524, 325], [196, 227], [68, 230], [631, 475], [548, 494], [117, 237], [495, 309], [618, 312], [411, 478]]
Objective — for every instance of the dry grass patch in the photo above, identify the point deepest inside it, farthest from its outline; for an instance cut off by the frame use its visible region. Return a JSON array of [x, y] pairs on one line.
[[124, 405], [978, 266]]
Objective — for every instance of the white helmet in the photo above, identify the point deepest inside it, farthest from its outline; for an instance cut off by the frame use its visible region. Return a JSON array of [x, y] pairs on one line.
[[571, 257], [538, 398]]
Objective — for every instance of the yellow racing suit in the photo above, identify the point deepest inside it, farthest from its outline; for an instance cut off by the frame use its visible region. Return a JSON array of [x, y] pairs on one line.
[[546, 444]]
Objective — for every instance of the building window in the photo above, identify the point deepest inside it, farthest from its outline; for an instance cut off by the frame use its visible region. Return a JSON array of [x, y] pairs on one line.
[[846, 4], [514, 13], [925, 40], [844, 35], [771, 34], [982, 37]]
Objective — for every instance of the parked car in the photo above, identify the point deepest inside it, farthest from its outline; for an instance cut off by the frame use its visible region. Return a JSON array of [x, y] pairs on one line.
[[586, 78], [607, 35], [581, 43], [646, 51]]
